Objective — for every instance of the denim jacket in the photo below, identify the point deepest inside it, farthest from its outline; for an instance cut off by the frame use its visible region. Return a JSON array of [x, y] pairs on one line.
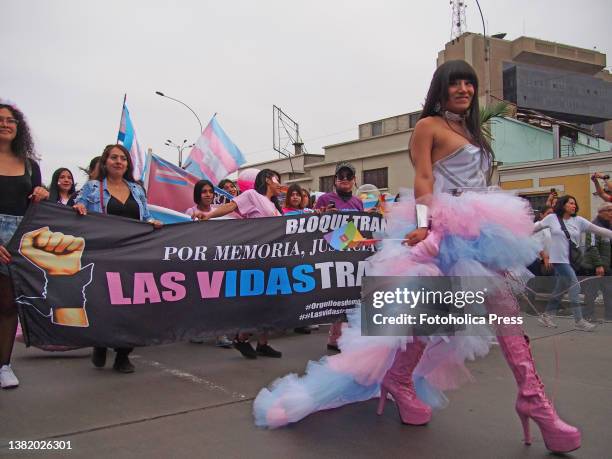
[[89, 196]]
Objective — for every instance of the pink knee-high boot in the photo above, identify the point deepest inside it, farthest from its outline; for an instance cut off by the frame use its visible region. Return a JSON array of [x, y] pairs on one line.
[[398, 381], [559, 437], [335, 332]]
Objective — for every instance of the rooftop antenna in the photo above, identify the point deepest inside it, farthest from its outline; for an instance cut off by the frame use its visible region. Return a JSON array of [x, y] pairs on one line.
[[286, 132], [459, 23]]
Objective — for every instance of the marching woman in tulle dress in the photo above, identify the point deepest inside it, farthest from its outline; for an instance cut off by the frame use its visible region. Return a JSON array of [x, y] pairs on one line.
[[456, 227]]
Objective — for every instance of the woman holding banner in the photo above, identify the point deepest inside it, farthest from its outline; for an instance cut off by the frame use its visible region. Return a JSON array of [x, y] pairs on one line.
[[115, 192], [296, 201], [62, 187], [457, 227], [262, 201], [20, 184], [203, 196]]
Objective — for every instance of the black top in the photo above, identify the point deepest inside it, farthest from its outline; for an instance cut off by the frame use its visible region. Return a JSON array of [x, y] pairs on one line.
[[70, 202], [128, 210], [14, 190]]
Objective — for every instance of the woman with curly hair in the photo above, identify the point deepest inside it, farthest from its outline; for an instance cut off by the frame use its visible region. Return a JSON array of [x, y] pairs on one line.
[[20, 184]]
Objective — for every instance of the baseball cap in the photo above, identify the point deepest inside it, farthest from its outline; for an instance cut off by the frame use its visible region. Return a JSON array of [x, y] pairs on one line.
[[345, 165], [605, 206]]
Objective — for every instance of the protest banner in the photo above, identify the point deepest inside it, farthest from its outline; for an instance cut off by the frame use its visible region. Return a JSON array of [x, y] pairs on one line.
[[109, 281]]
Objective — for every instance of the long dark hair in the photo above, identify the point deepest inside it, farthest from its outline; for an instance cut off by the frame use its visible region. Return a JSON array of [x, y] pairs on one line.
[[223, 182], [437, 97], [294, 187], [54, 189], [129, 173], [262, 187], [22, 145], [197, 190], [559, 208]]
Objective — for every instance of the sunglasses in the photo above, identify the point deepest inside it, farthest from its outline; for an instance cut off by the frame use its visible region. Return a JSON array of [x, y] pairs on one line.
[[344, 177]]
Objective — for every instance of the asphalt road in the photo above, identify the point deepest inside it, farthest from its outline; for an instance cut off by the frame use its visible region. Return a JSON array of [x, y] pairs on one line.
[[189, 400]]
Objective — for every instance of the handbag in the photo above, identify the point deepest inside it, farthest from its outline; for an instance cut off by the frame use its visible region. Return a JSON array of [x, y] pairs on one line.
[[102, 197], [575, 254]]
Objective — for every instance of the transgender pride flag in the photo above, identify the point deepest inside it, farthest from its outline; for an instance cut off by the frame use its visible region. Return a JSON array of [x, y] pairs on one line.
[[170, 187], [214, 156], [127, 138]]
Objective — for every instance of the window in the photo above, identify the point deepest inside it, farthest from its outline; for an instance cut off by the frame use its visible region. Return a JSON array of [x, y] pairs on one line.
[[414, 118], [326, 183], [377, 128], [376, 177], [537, 200]]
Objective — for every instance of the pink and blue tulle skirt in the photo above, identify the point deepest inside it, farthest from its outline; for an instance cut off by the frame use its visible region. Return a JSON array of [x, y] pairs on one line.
[[472, 235]]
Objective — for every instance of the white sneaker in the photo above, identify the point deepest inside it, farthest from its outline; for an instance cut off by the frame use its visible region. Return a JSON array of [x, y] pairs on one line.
[[583, 325], [7, 377], [546, 321]]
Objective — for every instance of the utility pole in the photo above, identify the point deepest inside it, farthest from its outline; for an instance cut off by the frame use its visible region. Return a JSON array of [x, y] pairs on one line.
[[459, 23], [179, 148], [487, 58]]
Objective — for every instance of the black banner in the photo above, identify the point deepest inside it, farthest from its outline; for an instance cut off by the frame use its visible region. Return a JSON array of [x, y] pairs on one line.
[[109, 281]]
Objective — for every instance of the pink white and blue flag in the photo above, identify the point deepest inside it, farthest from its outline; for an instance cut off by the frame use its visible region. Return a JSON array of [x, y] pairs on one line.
[[170, 187], [127, 138], [214, 156]]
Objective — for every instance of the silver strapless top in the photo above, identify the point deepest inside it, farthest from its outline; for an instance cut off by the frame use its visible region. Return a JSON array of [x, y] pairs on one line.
[[465, 168]]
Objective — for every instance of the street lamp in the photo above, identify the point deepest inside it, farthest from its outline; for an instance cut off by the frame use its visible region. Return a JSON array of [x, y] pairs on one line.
[[159, 93], [487, 58], [179, 148]]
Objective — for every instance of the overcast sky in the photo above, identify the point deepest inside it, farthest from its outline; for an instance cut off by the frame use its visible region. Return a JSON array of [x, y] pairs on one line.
[[330, 64]]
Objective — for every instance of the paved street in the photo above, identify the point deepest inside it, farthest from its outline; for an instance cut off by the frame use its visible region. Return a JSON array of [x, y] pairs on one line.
[[189, 400]]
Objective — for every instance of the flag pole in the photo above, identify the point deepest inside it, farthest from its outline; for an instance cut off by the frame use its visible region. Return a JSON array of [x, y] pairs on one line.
[[147, 169], [121, 118]]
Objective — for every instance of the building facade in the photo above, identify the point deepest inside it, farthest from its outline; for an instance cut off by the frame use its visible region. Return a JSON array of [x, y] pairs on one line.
[[380, 156], [549, 78], [515, 141], [562, 81], [534, 180]]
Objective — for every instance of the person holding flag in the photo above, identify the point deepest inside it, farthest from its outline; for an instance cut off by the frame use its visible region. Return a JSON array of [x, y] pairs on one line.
[[341, 198]]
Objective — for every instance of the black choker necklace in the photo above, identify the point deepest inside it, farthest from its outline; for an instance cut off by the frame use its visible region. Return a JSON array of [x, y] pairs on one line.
[[345, 196], [451, 116]]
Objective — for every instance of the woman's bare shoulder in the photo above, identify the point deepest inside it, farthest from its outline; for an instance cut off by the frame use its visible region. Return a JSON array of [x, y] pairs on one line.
[[429, 121], [429, 125]]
